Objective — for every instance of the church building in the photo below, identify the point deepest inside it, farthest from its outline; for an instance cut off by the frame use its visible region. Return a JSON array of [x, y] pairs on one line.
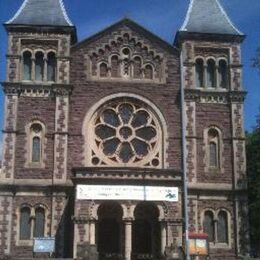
[[100, 134]]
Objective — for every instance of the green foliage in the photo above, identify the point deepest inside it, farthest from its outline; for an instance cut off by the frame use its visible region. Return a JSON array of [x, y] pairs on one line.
[[253, 170]]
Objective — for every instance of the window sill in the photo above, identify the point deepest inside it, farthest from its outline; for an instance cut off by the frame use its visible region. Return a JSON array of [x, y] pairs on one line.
[[35, 165], [214, 245], [28, 242], [213, 89], [33, 82]]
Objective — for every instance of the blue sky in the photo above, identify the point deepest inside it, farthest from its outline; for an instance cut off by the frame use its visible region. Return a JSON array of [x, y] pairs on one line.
[[163, 17]]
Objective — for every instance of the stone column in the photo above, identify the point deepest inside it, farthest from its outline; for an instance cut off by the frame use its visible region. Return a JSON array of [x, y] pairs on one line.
[[128, 239], [92, 232], [163, 236]]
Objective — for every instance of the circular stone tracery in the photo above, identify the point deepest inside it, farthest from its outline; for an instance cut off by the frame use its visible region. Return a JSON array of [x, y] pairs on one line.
[[126, 133]]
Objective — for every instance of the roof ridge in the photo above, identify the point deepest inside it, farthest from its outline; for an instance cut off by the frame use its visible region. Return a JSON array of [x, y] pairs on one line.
[[41, 13], [200, 18], [18, 12], [227, 17], [187, 17], [65, 12]]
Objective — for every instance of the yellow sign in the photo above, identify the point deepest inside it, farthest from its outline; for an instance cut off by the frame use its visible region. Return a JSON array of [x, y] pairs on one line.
[[198, 246]]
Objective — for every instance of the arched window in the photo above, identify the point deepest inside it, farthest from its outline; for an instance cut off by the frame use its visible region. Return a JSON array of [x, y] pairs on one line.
[[25, 223], [51, 66], [103, 70], [137, 68], [36, 149], [223, 74], [126, 54], [39, 66], [148, 72], [199, 68], [213, 144], [211, 74], [27, 65], [125, 132], [208, 225], [36, 133], [39, 222], [115, 67], [222, 224]]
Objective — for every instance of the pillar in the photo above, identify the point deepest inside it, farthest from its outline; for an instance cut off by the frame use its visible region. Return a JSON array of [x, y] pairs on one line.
[[92, 232], [163, 237], [128, 239]]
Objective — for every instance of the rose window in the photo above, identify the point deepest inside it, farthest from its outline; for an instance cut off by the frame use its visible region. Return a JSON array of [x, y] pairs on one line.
[[126, 134]]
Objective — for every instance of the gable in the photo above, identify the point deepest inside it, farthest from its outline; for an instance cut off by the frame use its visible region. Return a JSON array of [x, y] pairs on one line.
[[126, 51]]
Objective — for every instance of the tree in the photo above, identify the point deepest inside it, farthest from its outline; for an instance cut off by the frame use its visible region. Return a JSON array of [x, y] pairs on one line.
[[253, 171]]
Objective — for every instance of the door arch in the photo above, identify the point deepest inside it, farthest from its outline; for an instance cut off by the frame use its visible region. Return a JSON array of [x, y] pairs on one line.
[[146, 237], [109, 230]]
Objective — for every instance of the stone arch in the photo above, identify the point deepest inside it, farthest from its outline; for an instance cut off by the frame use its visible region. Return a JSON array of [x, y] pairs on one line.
[[86, 127]]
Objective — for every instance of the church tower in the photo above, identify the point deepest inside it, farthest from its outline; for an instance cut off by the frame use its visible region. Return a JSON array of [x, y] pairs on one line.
[[213, 90], [37, 92]]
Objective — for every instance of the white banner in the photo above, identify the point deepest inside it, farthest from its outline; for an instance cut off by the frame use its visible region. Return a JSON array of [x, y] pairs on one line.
[[124, 192]]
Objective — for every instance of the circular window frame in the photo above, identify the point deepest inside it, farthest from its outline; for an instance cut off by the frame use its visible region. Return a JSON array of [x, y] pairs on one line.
[[94, 156]]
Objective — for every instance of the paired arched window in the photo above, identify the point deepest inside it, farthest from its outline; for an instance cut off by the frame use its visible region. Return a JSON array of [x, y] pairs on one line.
[[39, 222], [208, 225], [38, 67], [216, 226], [222, 227], [27, 65], [32, 222], [210, 74], [213, 148], [25, 223]]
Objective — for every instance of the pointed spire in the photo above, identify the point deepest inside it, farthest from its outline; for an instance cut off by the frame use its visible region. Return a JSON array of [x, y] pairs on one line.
[[41, 12], [208, 16]]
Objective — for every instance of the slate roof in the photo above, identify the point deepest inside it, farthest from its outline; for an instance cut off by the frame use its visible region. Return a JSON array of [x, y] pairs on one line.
[[208, 16], [41, 12]]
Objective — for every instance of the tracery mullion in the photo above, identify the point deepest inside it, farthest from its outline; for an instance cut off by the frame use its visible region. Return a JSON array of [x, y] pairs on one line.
[[143, 140]]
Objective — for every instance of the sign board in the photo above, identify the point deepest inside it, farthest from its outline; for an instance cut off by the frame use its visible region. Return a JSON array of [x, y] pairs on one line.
[[44, 245], [198, 247], [198, 244], [125, 192]]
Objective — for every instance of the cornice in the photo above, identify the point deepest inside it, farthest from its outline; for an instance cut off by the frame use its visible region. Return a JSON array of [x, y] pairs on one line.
[[217, 97], [36, 90]]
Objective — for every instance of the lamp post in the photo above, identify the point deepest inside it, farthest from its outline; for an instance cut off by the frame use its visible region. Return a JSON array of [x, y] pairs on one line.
[[184, 166]]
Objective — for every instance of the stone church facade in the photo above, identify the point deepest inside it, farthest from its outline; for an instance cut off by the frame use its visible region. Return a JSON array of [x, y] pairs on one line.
[[108, 111]]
